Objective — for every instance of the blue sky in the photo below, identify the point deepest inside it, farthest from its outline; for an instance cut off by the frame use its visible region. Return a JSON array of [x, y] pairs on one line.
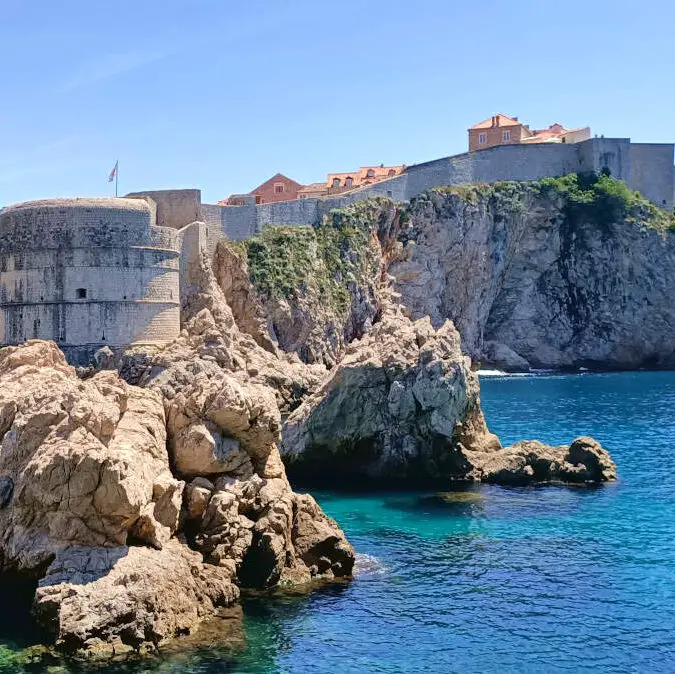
[[221, 94]]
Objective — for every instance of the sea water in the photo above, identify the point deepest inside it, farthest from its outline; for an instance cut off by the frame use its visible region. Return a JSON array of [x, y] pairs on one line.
[[498, 579]]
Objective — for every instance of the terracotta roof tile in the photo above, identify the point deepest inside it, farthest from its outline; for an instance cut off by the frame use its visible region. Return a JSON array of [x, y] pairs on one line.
[[504, 120]]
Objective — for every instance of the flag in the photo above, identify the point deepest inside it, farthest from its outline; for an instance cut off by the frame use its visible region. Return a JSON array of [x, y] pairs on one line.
[[113, 173]]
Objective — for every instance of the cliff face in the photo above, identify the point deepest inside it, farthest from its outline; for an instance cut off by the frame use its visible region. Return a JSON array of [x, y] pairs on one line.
[[310, 290], [564, 273], [531, 277]]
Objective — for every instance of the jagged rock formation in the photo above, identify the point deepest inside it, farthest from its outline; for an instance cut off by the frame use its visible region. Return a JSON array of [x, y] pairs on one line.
[[93, 474], [403, 406], [563, 273], [108, 601], [392, 409], [310, 290], [528, 461], [222, 395], [533, 279], [89, 474]]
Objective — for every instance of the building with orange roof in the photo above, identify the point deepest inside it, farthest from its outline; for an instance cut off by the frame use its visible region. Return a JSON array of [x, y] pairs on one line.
[[278, 188], [366, 175], [504, 130], [313, 190]]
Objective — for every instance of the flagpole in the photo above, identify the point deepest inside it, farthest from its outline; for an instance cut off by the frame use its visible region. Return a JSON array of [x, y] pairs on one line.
[[117, 173]]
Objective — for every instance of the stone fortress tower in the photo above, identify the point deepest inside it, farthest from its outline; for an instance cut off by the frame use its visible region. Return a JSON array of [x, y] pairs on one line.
[[88, 272]]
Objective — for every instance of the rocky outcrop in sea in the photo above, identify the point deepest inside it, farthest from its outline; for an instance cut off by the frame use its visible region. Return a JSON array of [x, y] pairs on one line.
[[403, 408]]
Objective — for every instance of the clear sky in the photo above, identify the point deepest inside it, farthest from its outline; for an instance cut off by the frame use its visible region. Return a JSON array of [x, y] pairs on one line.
[[222, 94]]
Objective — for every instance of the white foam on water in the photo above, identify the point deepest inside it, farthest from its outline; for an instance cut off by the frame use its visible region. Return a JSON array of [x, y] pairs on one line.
[[367, 565], [499, 373]]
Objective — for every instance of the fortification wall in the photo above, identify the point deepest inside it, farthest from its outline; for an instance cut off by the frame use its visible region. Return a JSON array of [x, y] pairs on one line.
[[652, 172], [174, 208], [87, 271], [647, 168]]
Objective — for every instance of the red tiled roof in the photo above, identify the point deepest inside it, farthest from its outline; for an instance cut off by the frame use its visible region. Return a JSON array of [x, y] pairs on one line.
[[503, 120]]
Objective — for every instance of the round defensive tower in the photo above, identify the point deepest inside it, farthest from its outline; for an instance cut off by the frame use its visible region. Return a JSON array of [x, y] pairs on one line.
[[87, 272]]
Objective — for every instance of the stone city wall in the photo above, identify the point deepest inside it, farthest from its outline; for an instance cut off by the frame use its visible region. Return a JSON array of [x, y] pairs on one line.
[[652, 172], [87, 271], [647, 168], [174, 208]]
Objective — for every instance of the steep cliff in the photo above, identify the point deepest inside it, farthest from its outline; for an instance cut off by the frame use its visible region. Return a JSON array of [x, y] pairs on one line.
[[562, 273], [310, 290]]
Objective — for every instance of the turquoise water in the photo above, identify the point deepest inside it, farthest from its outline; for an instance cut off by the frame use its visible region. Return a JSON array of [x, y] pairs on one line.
[[549, 579]]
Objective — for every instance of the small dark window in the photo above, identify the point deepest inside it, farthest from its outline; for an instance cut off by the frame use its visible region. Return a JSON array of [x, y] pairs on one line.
[[370, 173], [349, 182], [81, 293], [336, 182]]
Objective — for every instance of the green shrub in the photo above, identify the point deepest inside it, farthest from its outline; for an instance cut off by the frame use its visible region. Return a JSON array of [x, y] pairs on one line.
[[592, 197]]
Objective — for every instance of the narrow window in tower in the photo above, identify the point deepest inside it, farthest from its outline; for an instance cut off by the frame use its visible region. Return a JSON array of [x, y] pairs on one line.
[[81, 293]]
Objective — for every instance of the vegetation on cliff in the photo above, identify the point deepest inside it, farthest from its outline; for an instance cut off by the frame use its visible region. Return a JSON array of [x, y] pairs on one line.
[[586, 197], [328, 260], [592, 197]]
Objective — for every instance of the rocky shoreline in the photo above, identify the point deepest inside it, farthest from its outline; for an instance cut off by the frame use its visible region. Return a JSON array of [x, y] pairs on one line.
[[144, 493]]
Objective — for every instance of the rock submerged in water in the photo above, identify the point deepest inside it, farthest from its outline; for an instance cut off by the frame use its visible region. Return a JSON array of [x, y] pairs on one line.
[[92, 509], [403, 407], [531, 461]]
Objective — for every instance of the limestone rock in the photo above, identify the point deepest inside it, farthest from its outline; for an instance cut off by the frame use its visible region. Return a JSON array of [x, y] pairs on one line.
[[507, 266], [403, 406], [531, 461], [86, 460], [221, 395], [107, 601], [504, 358], [394, 408], [308, 320]]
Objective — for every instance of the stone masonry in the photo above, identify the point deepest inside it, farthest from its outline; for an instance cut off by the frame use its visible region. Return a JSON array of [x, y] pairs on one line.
[[87, 272]]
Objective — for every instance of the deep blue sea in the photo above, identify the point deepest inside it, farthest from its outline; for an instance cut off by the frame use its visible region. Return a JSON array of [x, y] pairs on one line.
[[546, 579]]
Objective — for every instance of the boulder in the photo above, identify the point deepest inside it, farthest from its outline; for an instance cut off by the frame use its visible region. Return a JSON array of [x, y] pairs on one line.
[[395, 408], [82, 462], [107, 601], [504, 358], [531, 461]]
